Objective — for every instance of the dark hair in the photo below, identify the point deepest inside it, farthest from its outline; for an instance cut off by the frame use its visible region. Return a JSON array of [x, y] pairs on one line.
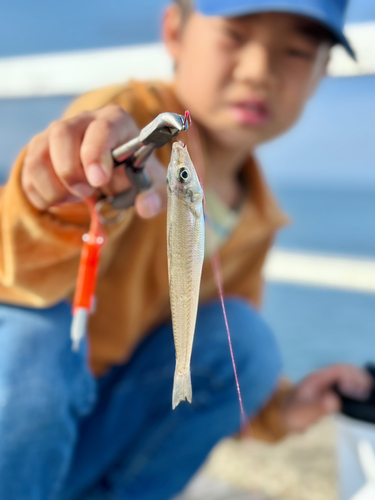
[[320, 33]]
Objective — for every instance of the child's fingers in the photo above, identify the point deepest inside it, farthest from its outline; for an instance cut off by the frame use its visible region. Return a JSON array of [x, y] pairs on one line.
[[300, 415], [65, 138], [111, 127], [73, 156], [355, 382], [47, 188], [350, 379], [118, 182], [39, 180], [151, 202], [35, 198]]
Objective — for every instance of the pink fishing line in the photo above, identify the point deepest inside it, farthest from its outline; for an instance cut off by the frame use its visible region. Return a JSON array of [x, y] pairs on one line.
[[216, 267], [196, 151]]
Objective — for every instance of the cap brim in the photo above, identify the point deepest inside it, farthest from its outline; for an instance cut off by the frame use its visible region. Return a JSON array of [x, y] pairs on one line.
[[242, 7], [342, 40]]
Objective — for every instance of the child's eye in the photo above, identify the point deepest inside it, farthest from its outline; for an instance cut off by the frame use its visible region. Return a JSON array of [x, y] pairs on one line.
[[298, 53], [235, 36]]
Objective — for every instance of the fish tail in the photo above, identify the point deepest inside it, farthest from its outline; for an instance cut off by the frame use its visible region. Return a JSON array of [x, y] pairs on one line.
[[181, 388]]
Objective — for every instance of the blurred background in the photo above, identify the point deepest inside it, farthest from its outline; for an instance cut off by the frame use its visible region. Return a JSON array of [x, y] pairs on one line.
[[320, 279]]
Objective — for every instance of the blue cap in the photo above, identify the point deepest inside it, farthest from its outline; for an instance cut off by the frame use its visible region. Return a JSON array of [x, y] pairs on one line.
[[328, 13]]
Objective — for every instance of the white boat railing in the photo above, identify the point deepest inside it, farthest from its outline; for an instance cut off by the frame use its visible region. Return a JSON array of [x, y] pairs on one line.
[[319, 270], [72, 73]]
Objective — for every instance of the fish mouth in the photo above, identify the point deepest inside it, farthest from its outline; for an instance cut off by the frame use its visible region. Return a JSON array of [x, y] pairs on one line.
[[178, 161], [178, 145], [182, 178], [180, 156]]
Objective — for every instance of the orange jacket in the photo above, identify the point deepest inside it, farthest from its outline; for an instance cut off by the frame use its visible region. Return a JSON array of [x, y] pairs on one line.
[[39, 251]]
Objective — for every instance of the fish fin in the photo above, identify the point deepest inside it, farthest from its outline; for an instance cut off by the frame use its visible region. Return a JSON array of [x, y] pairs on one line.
[[181, 388], [197, 210]]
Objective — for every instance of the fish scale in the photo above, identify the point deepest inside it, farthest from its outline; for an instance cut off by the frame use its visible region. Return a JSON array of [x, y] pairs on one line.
[[185, 233]]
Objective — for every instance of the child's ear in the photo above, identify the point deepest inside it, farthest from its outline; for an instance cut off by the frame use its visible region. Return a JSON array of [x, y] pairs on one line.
[[172, 30]]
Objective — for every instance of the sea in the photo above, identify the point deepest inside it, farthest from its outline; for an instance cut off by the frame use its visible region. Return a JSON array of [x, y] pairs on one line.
[[322, 172]]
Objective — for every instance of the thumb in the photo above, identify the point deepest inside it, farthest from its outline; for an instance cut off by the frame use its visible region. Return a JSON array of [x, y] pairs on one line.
[[150, 203], [153, 201]]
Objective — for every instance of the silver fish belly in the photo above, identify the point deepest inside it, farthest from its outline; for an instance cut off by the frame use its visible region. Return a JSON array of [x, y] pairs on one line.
[[185, 234]]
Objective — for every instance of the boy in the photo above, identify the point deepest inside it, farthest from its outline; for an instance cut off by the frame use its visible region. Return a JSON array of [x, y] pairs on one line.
[[108, 431]]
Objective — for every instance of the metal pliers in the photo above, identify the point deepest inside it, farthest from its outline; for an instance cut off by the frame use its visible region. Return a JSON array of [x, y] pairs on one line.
[[134, 153]]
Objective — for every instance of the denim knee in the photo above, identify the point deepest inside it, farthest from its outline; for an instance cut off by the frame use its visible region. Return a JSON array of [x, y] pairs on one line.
[[255, 350], [41, 379]]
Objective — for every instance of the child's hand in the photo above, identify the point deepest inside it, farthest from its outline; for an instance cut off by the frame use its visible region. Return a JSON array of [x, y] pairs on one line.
[[313, 398], [72, 159]]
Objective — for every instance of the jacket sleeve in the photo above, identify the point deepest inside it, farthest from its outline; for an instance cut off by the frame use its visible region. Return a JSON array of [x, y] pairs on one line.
[[268, 424], [39, 250]]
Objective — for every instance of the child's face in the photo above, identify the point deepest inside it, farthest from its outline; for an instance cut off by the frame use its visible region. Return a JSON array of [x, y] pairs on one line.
[[245, 79]]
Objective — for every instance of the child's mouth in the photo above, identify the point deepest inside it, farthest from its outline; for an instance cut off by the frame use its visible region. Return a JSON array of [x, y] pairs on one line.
[[250, 113]]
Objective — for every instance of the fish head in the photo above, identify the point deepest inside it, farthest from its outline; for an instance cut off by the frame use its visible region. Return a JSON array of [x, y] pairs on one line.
[[182, 179]]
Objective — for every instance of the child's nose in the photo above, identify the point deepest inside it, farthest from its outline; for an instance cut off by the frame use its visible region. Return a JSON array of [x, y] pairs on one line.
[[255, 65]]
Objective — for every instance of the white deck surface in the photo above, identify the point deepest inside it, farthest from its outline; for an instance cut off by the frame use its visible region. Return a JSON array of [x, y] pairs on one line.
[[206, 488]]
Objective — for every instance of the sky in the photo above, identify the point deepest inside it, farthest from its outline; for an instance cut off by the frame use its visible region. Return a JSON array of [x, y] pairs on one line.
[[39, 26]]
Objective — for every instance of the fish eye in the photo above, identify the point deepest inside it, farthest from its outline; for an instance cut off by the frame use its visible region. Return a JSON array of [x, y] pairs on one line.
[[183, 175]]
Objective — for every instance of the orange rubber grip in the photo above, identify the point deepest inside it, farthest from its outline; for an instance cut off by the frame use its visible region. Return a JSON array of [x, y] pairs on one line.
[[89, 261], [87, 272]]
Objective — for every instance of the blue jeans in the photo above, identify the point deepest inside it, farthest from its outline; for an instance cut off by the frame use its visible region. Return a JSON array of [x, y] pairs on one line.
[[65, 435]]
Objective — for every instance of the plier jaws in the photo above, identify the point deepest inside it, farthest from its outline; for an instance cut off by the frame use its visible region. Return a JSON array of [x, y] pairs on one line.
[[154, 135], [134, 153]]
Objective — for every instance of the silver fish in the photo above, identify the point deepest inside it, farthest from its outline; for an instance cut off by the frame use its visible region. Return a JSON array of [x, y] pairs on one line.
[[185, 228]]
